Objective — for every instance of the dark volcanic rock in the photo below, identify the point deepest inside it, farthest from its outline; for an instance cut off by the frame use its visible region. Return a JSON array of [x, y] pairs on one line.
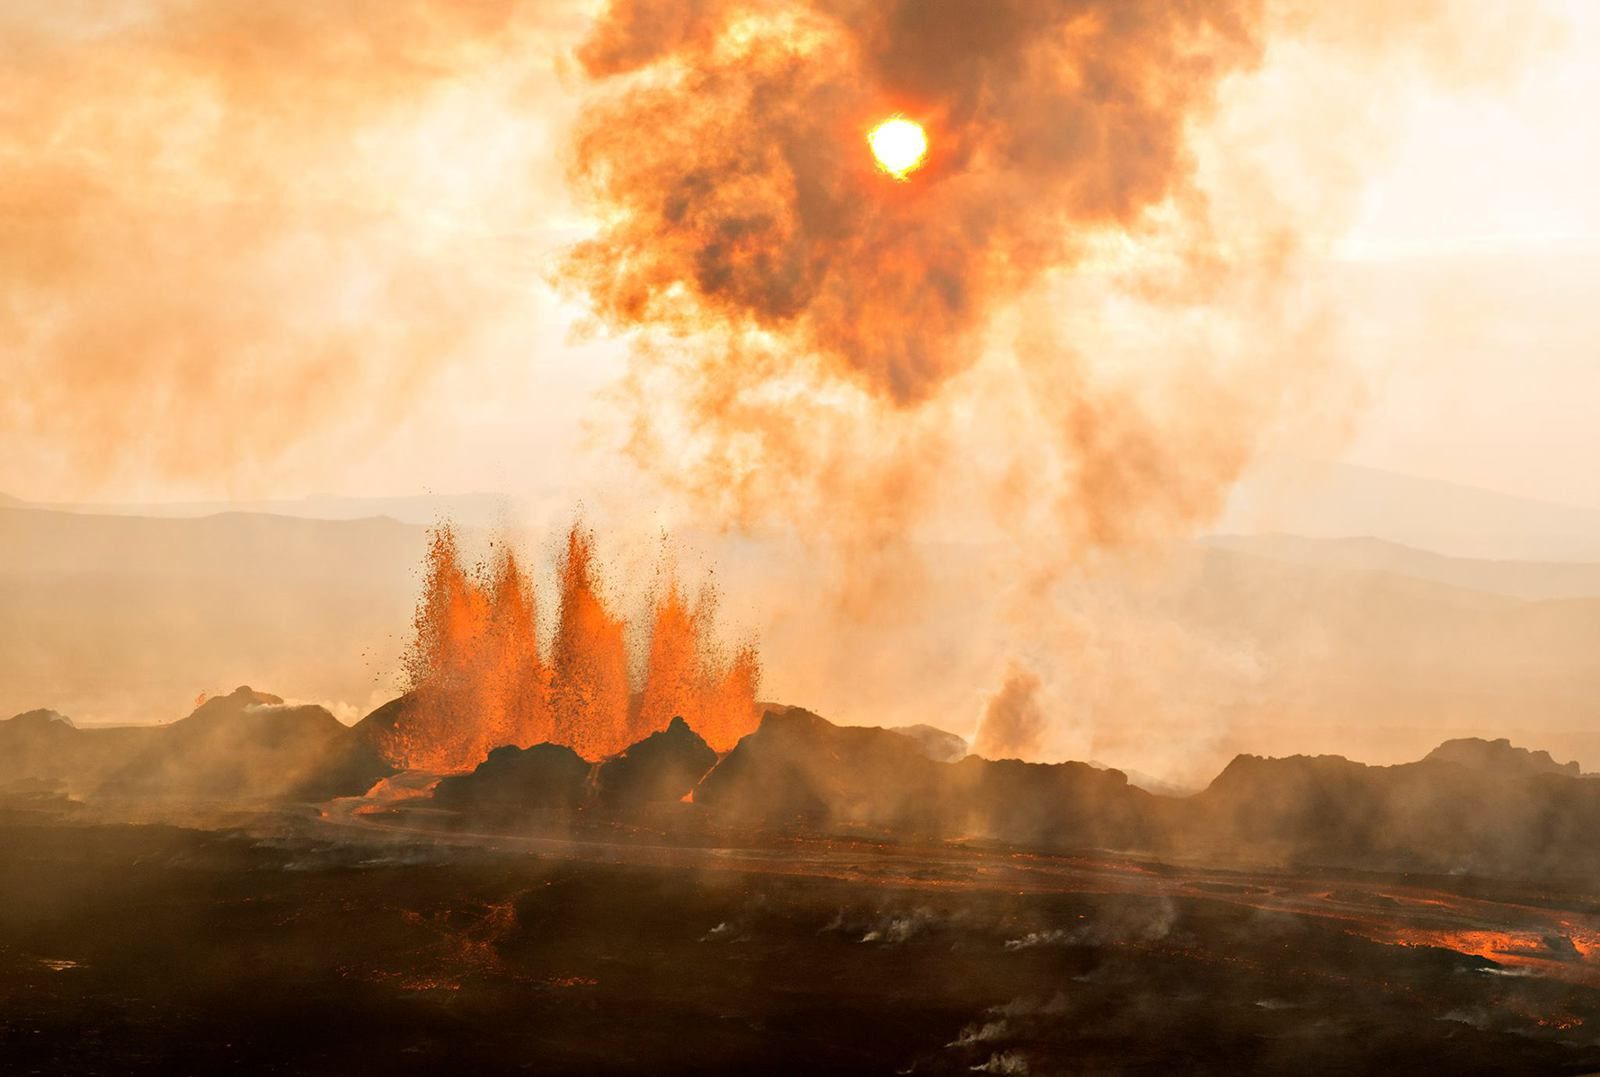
[[1046, 805], [1502, 812], [249, 745], [41, 722], [1515, 819], [1256, 800], [38, 746], [663, 767], [800, 767], [1499, 757], [519, 781], [43, 746], [803, 770]]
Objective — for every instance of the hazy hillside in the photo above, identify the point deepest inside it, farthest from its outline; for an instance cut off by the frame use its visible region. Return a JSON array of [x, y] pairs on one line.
[[126, 619], [1379, 665], [1516, 579], [1272, 644], [470, 510], [1343, 500]]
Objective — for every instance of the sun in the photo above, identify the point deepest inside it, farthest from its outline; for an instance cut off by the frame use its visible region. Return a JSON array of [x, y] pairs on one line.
[[900, 145]]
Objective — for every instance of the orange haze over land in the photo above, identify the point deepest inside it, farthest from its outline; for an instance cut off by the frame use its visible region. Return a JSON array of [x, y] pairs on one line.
[[955, 431]]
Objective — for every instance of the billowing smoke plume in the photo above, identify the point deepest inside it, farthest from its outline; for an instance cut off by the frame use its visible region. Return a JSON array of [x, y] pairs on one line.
[[1062, 340], [799, 312], [1013, 725], [741, 196], [743, 210]]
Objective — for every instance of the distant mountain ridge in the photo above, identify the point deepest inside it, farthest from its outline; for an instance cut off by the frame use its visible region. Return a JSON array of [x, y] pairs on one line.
[[1532, 580], [1319, 500], [241, 747], [1499, 756], [468, 510], [1341, 500]]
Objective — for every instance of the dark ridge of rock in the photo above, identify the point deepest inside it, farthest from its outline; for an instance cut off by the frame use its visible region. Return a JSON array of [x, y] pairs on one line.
[[242, 696], [1256, 799], [514, 782], [1499, 757], [1149, 783], [936, 744], [1435, 816], [41, 720], [800, 769], [1048, 805], [663, 767], [44, 746], [1518, 817], [1477, 806], [249, 745]]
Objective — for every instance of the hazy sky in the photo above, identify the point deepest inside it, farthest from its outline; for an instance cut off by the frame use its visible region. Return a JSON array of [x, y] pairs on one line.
[[1475, 260], [270, 254]]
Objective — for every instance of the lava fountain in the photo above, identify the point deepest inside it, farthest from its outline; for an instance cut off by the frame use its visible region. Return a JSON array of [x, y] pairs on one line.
[[477, 678]]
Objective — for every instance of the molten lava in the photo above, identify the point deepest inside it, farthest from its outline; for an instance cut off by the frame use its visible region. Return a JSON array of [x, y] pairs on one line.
[[589, 692], [477, 678], [684, 676], [900, 145], [445, 667]]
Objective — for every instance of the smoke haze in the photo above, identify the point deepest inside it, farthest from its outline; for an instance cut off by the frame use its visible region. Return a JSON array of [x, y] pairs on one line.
[[227, 227]]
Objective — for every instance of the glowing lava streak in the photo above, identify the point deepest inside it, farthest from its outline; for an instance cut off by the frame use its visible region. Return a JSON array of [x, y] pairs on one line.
[[900, 145]]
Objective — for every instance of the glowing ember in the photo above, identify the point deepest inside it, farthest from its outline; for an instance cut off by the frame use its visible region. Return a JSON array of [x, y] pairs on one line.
[[900, 145]]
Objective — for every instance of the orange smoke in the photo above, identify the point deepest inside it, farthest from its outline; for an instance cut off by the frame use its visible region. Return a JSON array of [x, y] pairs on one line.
[[740, 192], [811, 333], [1064, 339], [478, 679], [1091, 303], [1013, 724]]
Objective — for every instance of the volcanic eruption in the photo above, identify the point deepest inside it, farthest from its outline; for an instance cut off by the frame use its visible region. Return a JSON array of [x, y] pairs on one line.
[[930, 313]]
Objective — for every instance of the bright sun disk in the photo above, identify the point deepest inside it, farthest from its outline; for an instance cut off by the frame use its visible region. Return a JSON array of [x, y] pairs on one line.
[[900, 145]]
